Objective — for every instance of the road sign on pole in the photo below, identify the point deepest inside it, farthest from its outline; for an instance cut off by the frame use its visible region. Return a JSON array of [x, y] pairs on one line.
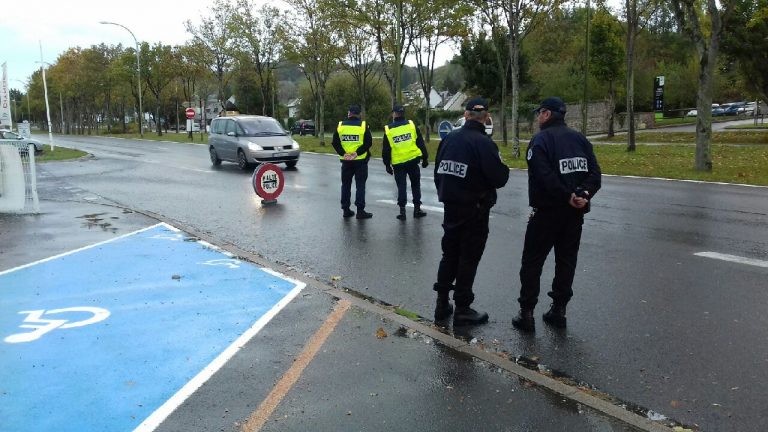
[[190, 112], [444, 128]]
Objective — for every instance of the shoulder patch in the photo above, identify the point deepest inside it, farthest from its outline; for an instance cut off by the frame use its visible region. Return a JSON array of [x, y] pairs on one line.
[[529, 155]]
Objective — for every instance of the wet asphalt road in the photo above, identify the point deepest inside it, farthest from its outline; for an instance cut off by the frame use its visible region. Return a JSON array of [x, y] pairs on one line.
[[650, 323]]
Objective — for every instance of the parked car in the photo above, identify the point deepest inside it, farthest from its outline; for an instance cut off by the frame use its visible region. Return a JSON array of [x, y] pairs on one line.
[[303, 127], [7, 136], [248, 140], [751, 108], [488, 125], [719, 111], [733, 108], [694, 113]]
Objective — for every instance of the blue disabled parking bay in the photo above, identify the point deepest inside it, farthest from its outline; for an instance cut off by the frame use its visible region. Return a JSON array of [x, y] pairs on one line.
[[115, 336]]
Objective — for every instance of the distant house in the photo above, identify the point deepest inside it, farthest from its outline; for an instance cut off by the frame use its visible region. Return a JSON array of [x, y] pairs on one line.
[[455, 102], [293, 107], [415, 94]]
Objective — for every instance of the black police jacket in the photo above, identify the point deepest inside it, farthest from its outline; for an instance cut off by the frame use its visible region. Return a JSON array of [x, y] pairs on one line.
[[560, 162], [468, 168]]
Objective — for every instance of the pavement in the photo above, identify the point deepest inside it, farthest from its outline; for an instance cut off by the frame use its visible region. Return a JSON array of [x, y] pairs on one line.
[[328, 360]]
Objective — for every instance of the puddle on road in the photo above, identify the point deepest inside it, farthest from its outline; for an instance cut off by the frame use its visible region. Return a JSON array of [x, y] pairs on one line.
[[96, 220]]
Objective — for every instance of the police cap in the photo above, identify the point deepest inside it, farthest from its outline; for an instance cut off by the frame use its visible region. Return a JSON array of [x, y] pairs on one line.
[[477, 104], [554, 104]]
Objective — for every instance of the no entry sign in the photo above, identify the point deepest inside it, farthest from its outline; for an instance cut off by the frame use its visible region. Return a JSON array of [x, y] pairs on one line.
[[268, 182], [190, 112]]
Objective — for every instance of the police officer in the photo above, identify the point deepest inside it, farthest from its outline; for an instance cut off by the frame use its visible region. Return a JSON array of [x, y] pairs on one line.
[[468, 170], [352, 141], [563, 176], [402, 148]]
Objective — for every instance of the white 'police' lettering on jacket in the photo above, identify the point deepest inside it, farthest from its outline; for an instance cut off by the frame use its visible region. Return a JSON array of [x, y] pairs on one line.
[[575, 164], [453, 168], [350, 138], [401, 138]]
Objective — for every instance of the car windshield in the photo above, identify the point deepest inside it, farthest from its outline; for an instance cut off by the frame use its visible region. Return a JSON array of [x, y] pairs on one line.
[[261, 127]]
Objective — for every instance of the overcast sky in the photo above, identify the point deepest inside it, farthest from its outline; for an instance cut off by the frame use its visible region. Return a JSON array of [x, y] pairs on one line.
[[60, 25]]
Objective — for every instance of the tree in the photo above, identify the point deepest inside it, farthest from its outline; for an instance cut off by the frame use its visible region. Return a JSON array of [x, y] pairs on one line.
[[745, 43], [520, 18], [434, 23], [389, 23], [256, 39], [637, 14], [706, 38], [308, 43], [162, 65], [358, 59], [213, 33], [606, 56]]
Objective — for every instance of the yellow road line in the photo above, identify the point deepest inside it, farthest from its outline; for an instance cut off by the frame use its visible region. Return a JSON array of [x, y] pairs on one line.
[[267, 407]]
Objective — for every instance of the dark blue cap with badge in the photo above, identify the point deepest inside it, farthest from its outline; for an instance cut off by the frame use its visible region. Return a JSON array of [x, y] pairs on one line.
[[554, 104], [477, 104], [355, 109], [398, 109]]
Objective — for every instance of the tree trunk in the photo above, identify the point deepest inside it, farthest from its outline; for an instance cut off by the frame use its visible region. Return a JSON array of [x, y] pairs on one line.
[[707, 62], [630, 79], [514, 51], [611, 107]]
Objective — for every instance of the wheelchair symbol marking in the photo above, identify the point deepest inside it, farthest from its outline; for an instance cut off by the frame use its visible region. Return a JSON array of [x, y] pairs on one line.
[[228, 263], [41, 326]]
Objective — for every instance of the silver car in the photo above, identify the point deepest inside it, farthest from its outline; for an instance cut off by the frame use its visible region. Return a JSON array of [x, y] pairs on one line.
[[14, 138], [248, 140]]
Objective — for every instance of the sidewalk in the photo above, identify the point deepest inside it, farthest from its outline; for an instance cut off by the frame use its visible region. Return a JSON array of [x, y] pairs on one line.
[[375, 371]]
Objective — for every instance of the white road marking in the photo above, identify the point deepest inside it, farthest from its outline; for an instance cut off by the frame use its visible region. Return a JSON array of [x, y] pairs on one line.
[[423, 207], [733, 258]]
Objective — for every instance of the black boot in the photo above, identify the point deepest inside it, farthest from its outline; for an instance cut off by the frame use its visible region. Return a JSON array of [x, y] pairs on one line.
[[418, 212], [443, 308], [362, 214], [468, 316], [348, 213], [401, 216], [524, 320], [555, 316]]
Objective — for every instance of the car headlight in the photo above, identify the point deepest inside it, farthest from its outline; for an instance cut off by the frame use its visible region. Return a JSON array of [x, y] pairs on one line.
[[252, 146], [296, 145]]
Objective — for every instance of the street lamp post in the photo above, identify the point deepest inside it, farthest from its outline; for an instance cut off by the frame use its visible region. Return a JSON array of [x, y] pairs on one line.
[[47, 107], [138, 74]]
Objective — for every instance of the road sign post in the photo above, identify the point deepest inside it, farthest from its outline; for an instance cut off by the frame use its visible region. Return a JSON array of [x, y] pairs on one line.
[[190, 113], [268, 182]]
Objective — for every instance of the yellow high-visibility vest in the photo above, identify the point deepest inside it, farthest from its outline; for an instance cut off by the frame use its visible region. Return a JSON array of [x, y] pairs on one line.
[[351, 138], [402, 140]]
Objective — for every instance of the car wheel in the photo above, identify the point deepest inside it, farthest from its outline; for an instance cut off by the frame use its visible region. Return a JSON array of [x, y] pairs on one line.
[[291, 164], [214, 157], [242, 161]]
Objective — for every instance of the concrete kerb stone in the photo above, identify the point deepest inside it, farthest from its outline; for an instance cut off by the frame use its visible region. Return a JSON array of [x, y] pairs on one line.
[[573, 393]]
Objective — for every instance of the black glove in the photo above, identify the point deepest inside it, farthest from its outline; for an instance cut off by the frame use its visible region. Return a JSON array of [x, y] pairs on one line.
[[389, 169], [424, 163]]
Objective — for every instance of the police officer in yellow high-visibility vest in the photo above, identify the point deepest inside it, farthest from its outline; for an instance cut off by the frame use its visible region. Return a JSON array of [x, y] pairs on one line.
[[402, 149], [352, 141]]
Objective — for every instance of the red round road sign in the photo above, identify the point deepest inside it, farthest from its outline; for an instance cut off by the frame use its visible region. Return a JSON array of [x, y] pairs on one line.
[[190, 113], [268, 181]]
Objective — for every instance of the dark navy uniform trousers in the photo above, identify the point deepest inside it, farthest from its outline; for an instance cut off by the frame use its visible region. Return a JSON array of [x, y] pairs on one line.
[[465, 233], [547, 228], [357, 169], [410, 169]]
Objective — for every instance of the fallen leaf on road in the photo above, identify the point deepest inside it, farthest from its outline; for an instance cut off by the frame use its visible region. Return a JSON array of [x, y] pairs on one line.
[[380, 333], [335, 278]]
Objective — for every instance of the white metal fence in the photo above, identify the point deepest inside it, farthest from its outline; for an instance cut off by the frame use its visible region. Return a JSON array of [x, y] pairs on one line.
[[18, 179]]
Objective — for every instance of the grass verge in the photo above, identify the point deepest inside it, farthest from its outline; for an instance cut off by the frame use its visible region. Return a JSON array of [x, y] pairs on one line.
[[61, 153], [728, 137]]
